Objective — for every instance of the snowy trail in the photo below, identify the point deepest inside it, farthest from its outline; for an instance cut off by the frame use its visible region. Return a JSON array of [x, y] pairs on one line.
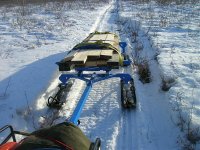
[[128, 126], [75, 92], [108, 120], [147, 127]]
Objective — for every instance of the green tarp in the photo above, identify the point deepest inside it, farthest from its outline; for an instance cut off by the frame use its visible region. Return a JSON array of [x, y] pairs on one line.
[[66, 133]]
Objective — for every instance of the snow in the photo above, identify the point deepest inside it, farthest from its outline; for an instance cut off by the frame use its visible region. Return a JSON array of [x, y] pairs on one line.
[[28, 55], [173, 32], [170, 39]]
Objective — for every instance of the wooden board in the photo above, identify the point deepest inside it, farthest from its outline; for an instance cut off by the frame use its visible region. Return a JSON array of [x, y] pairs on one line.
[[91, 63], [114, 61], [80, 58], [70, 56], [105, 38], [97, 37], [106, 54], [93, 54], [93, 57], [110, 37], [102, 37], [101, 63]]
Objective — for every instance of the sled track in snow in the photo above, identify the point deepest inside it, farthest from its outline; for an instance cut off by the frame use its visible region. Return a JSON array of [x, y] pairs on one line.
[[102, 112], [128, 124], [103, 115], [128, 130], [98, 23]]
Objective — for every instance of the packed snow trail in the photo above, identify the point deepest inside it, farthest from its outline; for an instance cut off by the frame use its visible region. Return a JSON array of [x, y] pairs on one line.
[[28, 73], [147, 127]]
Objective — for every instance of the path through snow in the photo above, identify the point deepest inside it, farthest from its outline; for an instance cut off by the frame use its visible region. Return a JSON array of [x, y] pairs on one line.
[[147, 127]]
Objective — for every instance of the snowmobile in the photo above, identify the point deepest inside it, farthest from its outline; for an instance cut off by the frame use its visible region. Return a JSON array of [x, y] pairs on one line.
[[92, 61]]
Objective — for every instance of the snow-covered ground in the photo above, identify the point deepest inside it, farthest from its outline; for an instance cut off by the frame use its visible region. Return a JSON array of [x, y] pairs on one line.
[[35, 37], [174, 34]]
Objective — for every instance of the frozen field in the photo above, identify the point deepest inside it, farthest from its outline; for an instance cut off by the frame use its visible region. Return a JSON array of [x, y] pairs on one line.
[[167, 116]]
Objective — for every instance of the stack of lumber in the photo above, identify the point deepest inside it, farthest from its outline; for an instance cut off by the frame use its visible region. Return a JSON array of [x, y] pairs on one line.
[[98, 49]]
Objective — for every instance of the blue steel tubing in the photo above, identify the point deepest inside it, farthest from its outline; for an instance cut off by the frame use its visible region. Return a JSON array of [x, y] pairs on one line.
[[77, 112], [64, 77], [123, 46], [97, 77], [90, 79], [93, 69]]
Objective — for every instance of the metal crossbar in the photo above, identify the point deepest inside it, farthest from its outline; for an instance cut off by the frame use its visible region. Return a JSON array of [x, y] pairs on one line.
[[90, 79]]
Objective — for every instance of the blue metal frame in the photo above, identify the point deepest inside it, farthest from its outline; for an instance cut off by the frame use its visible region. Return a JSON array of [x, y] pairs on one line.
[[127, 62], [90, 79], [123, 46]]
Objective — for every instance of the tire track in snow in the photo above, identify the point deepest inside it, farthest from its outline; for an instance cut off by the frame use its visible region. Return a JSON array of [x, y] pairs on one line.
[[97, 26], [125, 120], [128, 139], [128, 129], [100, 117]]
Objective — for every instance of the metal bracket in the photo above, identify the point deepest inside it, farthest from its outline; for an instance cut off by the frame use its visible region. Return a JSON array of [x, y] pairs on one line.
[[123, 46]]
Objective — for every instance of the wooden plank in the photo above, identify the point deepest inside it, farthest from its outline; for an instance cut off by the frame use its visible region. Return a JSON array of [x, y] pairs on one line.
[[116, 44], [93, 54], [101, 63], [106, 54], [113, 43], [98, 37], [103, 37], [114, 61], [80, 58], [70, 56], [110, 37], [91, 63], [109, 42]]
